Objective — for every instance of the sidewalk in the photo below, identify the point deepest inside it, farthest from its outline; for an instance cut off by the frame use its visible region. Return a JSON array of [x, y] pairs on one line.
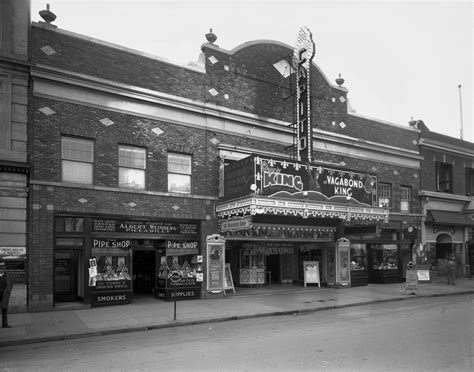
[[151, 313]]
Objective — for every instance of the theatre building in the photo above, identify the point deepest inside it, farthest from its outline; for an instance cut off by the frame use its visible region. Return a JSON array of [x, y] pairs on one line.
[[135, 162]]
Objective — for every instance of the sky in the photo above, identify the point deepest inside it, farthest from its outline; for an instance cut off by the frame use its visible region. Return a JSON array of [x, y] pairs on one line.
[[400, 59]]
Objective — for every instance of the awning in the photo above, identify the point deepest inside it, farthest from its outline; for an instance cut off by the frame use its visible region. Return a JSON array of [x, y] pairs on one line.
[[448, 218]]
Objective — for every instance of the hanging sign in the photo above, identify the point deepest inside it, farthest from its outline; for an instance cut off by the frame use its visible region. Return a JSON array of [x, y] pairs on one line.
[[302, 56]]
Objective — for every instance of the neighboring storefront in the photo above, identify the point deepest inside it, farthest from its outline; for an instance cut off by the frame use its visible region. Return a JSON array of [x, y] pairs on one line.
[[281, 213], [107, 260]]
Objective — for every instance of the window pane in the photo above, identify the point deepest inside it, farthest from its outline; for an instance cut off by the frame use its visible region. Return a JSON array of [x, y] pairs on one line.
[[132, 157], [179, 183], [133, 178], [73, 171], [404, 206], [77, 149], [178, 163]]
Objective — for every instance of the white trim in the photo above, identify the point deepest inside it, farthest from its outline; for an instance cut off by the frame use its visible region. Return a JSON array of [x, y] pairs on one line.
[[443, 146], [121, 190]]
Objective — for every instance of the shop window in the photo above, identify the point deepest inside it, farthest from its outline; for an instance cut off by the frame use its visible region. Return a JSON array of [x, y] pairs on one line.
[[385, 195], [77, 160], [132, 167], [469, 181], [179, 173], [405, 200], [69, 224], [444, 176], [384, 257]]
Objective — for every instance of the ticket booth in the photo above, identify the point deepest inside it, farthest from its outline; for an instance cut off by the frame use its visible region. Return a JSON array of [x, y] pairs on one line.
[[338, 264]]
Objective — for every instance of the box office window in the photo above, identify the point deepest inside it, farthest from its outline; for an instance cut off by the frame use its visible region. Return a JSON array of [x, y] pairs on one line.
[[444, 177], [77, 160], [132, 166], [385, 195], [179, 173], [469, 181], [405, 199]]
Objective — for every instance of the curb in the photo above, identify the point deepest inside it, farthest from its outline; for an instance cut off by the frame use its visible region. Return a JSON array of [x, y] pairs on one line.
[[215, 320]]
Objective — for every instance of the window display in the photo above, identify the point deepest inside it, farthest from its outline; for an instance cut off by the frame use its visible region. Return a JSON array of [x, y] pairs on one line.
[[384, 257], [113, 268], [358, 257]]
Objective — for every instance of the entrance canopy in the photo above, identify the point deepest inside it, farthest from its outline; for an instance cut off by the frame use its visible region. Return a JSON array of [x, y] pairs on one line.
[[448, 218], [259, 204]]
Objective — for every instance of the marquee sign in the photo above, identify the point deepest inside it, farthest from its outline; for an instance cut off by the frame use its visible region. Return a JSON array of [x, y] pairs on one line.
[[287, 179], [302, 57]]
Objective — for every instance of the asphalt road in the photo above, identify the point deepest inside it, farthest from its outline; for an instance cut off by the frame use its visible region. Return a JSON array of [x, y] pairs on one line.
[[420, 334]]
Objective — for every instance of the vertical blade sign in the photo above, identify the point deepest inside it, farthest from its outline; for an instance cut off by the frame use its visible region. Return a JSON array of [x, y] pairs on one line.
[[302, 57]]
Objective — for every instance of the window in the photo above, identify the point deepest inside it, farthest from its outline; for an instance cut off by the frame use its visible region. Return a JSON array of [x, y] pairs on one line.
[[385, 192], [469, 181], [444, 177], [405, 200], [132, 166], [77, 160], [69, 224], [179, 173]]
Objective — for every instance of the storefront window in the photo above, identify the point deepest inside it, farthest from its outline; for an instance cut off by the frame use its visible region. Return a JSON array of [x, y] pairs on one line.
[[113, 268], [358, 257], [252, 260], [384, 257]]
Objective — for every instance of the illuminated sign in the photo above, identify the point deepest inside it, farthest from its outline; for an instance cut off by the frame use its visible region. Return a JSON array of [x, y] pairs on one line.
[[302, 56], [292, 179]]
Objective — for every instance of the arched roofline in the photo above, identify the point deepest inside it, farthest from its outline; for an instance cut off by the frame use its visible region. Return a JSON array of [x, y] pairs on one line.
[[267, 41]]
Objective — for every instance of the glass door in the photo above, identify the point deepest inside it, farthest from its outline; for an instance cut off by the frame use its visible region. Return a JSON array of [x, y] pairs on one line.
[[65, 276]]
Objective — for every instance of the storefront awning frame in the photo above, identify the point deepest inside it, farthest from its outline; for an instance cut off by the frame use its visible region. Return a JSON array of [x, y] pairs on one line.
[[448, 218], [257, 204]]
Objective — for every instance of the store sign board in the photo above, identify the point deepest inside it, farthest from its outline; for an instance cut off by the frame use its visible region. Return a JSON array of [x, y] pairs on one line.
[[311, 272], [285, 177], [12, 252], [184, 293], [115, 298], [144, 227], [411, 280]]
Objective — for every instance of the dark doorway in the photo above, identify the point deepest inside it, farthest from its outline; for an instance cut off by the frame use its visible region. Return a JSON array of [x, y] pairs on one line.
[[65, 275], [143, 271], [273, 266]]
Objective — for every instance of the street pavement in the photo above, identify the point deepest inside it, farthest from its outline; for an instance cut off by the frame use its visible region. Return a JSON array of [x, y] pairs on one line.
[[148, 313]]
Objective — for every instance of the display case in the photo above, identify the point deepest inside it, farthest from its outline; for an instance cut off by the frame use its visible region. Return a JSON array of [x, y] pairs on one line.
[[187, 287], [384, 263], [252, 268], [359, 272]]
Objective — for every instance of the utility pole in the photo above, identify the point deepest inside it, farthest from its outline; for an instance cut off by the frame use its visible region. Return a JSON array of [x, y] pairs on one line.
[[460, 109]]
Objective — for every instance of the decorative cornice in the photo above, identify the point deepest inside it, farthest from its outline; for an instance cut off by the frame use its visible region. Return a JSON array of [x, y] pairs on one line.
[[443, 146], [444, 196], [120, 190]]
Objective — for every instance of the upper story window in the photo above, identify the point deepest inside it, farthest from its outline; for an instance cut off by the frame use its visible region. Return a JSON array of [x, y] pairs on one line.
[[77, 160], [385, 195], [132, 167], [179, 173], [444, 177], [405, 200], [469, 181]]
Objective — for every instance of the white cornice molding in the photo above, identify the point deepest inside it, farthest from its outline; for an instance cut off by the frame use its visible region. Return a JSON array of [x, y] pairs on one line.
[[443, 146], [143, 94], [357, 142], [443, 196], [120, 190]]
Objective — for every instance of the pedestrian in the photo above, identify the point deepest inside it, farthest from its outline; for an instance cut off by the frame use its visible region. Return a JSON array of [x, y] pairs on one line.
[[5, 290], [451, 269]]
